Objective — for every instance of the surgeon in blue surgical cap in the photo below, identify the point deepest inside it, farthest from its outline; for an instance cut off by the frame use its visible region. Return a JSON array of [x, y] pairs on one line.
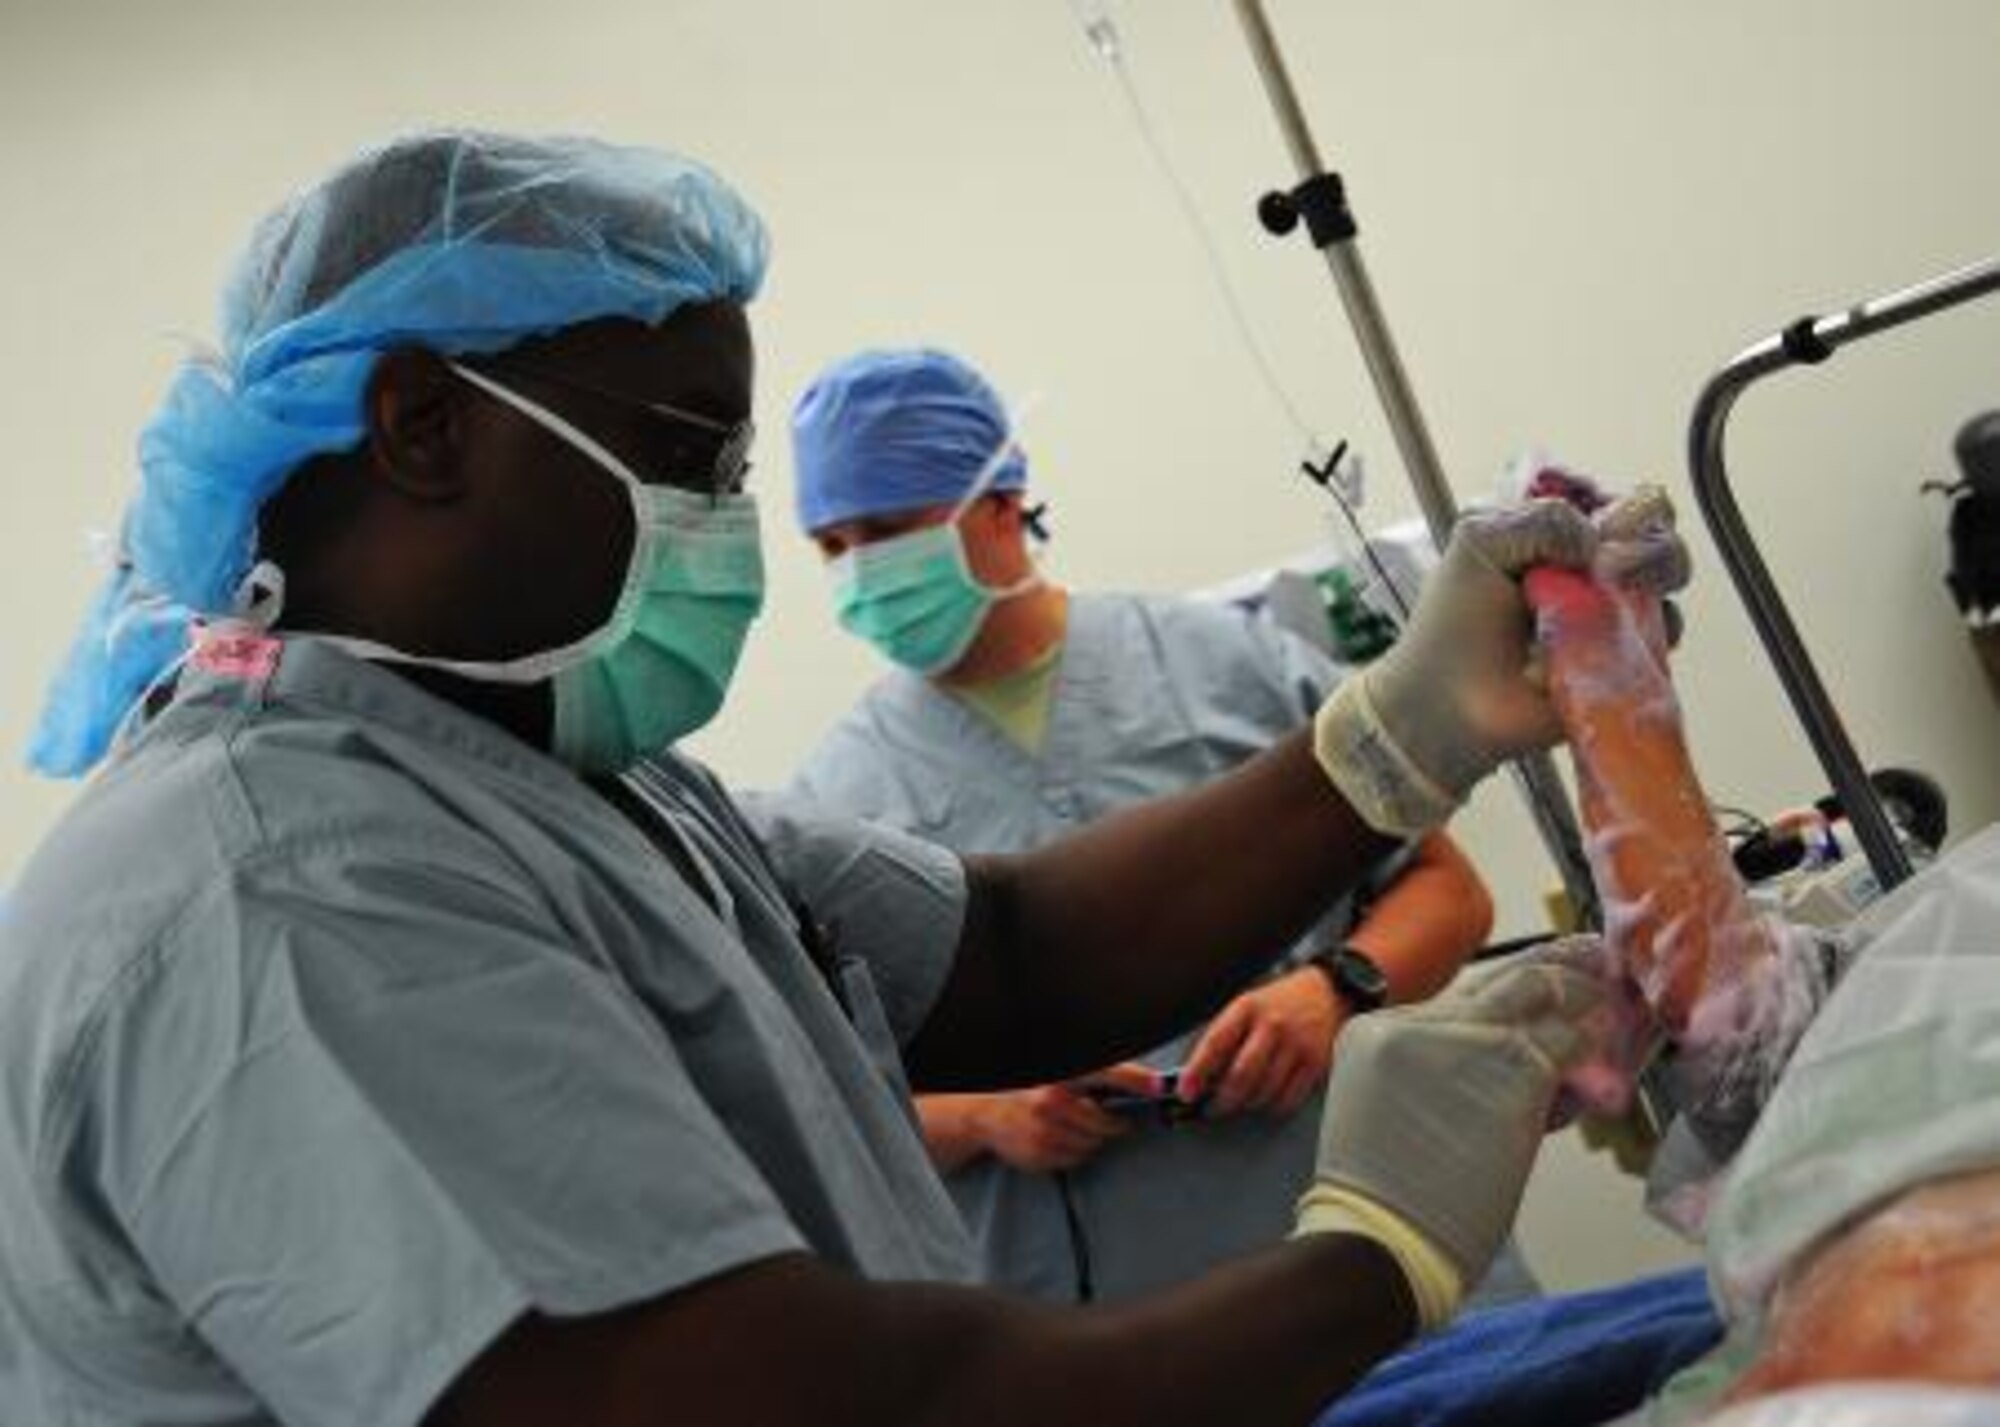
[[377, 1046], [1014, 711]]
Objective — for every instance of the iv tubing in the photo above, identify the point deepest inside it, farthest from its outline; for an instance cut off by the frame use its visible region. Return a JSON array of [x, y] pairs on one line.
[[1547, 802]]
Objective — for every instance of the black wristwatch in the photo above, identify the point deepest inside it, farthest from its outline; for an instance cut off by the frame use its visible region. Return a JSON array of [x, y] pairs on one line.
[[1356, 978]]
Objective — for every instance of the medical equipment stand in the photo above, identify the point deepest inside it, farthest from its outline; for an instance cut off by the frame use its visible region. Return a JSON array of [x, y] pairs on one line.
[[1321, 200], [1809, 341]]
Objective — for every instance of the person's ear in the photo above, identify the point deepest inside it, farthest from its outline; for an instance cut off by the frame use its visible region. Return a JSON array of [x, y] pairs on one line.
[[1002, 510], [416, 410]]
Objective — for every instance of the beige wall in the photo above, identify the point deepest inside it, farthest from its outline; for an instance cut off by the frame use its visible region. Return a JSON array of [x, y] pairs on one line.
[[1573, 210]]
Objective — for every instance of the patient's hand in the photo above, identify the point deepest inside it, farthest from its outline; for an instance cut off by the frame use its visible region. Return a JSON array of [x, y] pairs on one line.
[[1909, 1293]]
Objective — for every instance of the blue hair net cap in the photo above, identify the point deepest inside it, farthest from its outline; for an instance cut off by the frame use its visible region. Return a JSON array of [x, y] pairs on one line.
[[887, 431], [454, 240]]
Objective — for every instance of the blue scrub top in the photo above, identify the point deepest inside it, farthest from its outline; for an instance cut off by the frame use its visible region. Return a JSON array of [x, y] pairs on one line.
[[339, 1029]]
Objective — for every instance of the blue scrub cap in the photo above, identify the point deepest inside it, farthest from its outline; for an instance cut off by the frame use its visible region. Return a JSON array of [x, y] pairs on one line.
[[887, 431], [453, 240]]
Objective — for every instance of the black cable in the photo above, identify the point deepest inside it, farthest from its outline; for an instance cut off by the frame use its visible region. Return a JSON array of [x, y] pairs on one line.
[[1079, 1242], [1374, 561], [1322, 476], [1747, 823], [1513, 945]]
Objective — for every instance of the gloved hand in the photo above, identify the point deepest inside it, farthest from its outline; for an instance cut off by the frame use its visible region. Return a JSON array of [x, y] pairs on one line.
[[1434, 1114], [1638, 545], [1459, 693]]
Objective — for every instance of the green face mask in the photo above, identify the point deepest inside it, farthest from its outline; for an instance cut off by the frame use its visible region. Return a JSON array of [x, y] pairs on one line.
[[915, 598], [659, 670], [659, 665]]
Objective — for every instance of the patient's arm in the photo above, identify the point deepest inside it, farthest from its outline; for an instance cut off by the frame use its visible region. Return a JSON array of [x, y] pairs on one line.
[[1731, 988], [1676, 915], [1910, 1292]]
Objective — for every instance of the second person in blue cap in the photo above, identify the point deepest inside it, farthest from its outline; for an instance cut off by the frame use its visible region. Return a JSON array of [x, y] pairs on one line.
[[1018, 711]]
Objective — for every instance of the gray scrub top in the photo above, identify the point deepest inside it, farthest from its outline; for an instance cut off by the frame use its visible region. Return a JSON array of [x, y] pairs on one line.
[[338, 1029], [1152, 696]]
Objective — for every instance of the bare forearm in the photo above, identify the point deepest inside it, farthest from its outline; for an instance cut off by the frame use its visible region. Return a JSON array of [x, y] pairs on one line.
[[1115, 938], [1266, 1342], [1428, 921]]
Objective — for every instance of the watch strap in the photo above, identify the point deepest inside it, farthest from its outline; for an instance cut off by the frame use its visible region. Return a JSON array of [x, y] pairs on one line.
[[1358, 979]]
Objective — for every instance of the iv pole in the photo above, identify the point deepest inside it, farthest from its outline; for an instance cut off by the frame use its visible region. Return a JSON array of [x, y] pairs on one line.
[[1321, 200]]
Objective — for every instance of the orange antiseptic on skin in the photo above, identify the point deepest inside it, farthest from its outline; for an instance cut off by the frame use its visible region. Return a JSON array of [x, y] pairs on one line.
[[1676, 914]]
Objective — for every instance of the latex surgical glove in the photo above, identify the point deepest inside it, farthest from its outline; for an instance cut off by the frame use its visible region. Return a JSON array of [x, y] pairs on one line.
[[1268, 1049], [1057, 1127], [1461, 692], [1434, 1115], [1625, 1033], [1639, 545]]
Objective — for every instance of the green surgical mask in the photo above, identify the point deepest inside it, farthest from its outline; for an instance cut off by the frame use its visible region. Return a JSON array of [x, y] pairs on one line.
[[915, 598], [659, 670], [659, 665]]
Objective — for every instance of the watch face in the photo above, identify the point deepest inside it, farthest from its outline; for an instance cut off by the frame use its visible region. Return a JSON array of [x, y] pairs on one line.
[[1361, 979]]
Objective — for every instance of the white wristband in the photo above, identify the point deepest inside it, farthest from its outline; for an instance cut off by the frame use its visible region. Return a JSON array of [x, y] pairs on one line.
[[1380, 782]]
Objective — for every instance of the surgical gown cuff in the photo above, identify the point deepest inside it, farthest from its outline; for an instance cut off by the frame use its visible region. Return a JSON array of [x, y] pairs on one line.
[[1381, 782], [1435, 1285]]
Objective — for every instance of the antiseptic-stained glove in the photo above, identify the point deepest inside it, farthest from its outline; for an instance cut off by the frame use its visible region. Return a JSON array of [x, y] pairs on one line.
[[1460, 692], [1434, 1115]]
